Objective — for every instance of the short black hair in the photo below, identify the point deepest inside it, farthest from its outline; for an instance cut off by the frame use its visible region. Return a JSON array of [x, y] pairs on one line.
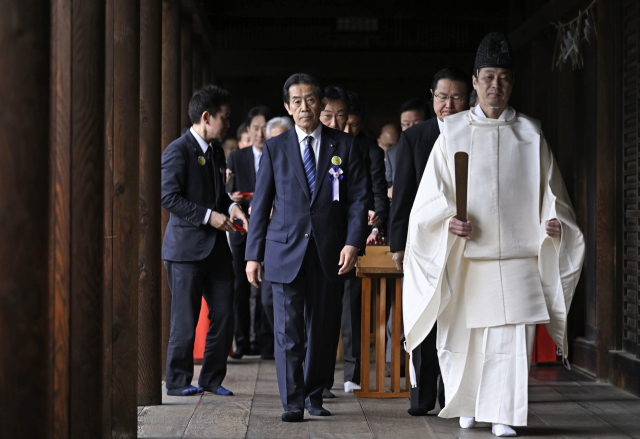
[[301, 79], [356, 105], [334, 93], [209, 98], [241, 130], [414, 104], [452, 74], [260, 110]]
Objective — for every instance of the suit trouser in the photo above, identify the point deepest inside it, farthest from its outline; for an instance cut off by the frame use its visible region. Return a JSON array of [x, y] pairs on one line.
[[351, 329], [263, 323], [241, 300], [211, 278], [304, 306], [350, 321], [425, 363]]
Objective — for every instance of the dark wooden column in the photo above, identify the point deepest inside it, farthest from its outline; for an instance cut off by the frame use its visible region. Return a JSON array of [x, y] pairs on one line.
[[170, 129], [609, 147], [122, 213], [149, 329], [77, 148], [196, 64], [25, 368], [186, 71]]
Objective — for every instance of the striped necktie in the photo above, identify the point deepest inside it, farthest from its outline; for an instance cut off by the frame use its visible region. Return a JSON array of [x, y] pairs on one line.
[[310, 165]]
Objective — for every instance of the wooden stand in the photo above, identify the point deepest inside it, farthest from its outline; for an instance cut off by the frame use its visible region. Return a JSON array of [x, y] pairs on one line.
[[374, 269]]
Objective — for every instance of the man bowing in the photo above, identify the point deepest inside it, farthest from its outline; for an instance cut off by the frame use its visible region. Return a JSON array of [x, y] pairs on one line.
[[314, 179]]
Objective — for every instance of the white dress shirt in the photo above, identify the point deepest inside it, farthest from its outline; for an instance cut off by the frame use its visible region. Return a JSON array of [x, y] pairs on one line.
[[315, 144], [204, 146], [256, 158], [440, 124], [507, 114]]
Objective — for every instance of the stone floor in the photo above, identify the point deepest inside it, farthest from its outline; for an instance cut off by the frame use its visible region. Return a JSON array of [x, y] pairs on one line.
[[562, 404]]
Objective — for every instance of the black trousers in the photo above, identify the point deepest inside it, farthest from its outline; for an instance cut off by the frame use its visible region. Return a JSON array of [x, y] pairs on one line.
[[241, 301], [304, 307], [425, 362], [211, 278]]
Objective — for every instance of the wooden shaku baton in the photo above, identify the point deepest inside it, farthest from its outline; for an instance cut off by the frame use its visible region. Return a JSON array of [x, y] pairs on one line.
[[462, 173]]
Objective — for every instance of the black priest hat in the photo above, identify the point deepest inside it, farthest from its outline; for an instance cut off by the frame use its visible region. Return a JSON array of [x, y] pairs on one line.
[[494, 51]]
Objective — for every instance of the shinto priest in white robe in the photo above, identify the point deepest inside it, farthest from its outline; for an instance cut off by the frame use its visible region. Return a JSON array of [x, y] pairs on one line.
[[488, 292]]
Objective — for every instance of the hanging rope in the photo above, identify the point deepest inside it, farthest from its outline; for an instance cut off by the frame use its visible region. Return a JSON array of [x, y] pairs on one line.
[[571, 36]]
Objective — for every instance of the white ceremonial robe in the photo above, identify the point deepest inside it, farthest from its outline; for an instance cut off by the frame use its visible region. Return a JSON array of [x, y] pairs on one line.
[[487, 293]]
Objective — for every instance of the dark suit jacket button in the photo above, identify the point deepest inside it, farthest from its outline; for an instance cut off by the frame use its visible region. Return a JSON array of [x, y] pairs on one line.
[[306, 235]]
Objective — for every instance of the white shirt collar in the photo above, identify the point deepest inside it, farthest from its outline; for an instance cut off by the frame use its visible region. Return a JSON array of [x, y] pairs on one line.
[[256, 153], [440, 124], [317, 133], [200, 140], [507, 114]]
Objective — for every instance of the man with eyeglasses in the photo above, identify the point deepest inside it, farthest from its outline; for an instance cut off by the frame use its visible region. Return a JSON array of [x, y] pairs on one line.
[[511, 262], [449, 88]]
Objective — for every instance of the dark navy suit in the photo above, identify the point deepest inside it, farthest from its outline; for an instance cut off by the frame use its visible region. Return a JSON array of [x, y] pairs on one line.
[[198, 260], [242, 164], [301, 248]]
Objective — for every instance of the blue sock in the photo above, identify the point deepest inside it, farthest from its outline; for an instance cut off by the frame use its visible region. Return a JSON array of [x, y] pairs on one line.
[[185, 392], [224, 392]]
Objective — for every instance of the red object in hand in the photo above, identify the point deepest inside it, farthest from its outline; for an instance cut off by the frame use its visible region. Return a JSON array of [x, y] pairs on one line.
[[242, 229], [246, 194]]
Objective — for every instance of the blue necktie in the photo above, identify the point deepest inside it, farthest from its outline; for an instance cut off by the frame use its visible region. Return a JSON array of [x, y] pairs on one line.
[[310, 165]]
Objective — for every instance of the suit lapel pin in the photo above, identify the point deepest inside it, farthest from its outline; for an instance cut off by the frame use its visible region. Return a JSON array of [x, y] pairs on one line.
[[332, 145], [201, 160]]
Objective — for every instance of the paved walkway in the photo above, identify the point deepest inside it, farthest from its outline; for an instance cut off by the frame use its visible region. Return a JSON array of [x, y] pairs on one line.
[[562, 404]]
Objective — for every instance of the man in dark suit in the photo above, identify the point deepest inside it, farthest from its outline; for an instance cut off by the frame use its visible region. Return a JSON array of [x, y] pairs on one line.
[[313, 178], [243, 165], [450, 90], [195, 249]]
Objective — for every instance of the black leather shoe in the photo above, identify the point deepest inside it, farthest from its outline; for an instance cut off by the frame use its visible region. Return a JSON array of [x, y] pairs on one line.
[[237, 354], [318, 411], [327, 394], [292, 416], [418, 411]]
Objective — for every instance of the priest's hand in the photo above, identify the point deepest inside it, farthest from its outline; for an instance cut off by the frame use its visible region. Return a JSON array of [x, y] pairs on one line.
[[460, 228], [553, 228], [398, 259], [254, 273], [348, 259]]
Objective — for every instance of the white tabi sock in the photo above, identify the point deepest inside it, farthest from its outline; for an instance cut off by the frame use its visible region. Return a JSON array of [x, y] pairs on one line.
[[467, 422], [502, 430]]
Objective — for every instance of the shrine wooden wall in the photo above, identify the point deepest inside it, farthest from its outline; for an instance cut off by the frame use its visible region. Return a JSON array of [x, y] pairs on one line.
[[583, 118]]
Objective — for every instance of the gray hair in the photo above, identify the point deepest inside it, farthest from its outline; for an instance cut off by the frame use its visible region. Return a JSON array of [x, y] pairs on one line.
[[284, 122]]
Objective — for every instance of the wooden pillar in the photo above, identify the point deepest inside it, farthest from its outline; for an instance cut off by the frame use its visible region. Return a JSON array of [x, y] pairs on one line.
[[196, 63], [186, 72], [77, 149], [122, 213], [25, 368], [149, 301], [609, 147], [170, 129], [206, 68]]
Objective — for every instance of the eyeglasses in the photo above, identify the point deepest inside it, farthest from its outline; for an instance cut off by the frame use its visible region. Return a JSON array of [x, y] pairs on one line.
[[455, 98]]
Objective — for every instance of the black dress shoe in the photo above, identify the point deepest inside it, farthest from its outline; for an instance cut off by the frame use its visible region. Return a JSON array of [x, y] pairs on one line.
[[267, 356], [292, 416], [318, 411], [418, 411], [237, 354], [327, 394]]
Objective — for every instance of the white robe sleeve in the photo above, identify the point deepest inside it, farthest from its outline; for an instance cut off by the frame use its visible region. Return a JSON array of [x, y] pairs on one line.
[[559, 259], [429, 244]]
